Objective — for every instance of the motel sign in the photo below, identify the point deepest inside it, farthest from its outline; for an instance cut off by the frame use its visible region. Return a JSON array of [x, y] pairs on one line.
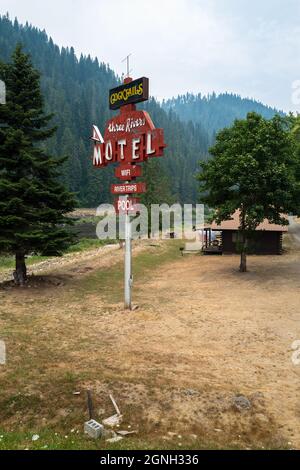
[[129, 140]]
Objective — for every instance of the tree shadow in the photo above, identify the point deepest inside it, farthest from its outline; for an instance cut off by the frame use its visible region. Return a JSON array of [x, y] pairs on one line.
[[36, 282]]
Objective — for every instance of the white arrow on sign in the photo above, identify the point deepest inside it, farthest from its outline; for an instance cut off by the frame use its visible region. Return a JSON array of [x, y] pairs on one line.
[[97, 136]]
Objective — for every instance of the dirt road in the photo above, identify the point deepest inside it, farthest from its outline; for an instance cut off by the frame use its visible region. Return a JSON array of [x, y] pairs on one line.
[[203, 336]]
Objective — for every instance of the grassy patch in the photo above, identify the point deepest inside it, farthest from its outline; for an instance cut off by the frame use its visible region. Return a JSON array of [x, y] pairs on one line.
[[109, 281], [19, 403], [8, 262], [84, 244], [88, 244], [76, 440], [87, 220]]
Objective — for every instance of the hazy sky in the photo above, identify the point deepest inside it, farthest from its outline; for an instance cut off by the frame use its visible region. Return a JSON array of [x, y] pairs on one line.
[[250, 47]]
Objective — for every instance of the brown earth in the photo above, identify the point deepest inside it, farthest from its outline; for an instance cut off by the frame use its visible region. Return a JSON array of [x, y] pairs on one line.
[[203, 335], [67, 264]]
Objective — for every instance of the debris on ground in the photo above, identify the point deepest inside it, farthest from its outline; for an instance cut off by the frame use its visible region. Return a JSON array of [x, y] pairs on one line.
[[191, 393], [96, 430], [241, 403], [115, 404], [116, 419], [125, 433], [114, 439], [112, 420]]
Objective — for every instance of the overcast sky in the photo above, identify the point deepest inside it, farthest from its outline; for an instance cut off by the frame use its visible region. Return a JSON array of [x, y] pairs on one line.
[[250, 47]]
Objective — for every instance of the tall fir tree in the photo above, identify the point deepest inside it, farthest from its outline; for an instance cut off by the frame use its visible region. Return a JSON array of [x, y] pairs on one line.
[[33, 202]]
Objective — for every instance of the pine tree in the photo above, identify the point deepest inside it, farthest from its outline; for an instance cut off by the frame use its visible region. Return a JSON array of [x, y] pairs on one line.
[[158, 186], [32, 200]]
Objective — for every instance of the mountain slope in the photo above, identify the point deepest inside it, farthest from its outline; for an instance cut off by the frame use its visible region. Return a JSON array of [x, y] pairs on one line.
[[76, 91], [215, 112]]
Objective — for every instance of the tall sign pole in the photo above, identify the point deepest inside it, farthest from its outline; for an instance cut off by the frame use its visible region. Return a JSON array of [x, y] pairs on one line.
[[130, 138], [128, 263]]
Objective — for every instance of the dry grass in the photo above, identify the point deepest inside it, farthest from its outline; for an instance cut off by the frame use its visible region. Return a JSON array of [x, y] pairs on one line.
[[203, 333]]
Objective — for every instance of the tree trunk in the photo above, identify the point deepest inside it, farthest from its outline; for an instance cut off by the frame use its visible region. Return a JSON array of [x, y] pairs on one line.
[[20, 274], [243, 265]]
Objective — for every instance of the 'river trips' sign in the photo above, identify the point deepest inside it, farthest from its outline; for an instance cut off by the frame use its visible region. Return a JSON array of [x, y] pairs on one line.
[[129, 93], [128, 188]]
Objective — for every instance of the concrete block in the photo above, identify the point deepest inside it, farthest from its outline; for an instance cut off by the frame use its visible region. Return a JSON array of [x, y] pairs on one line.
[[93, 429]]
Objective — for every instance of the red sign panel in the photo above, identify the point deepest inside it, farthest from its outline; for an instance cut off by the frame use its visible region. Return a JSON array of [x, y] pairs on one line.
[[132, 148], [128, 172], [128, 188], [133, 122], [126, 205]]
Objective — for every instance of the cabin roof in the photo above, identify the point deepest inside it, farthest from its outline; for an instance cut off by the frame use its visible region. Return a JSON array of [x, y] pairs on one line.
[[234, 224]]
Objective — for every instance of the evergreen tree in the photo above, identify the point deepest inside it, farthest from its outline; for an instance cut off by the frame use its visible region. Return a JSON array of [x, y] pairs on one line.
[[32, 200], [158, 185]]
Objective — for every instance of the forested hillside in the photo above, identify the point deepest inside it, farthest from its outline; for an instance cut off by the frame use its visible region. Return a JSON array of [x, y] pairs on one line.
[[215, 112], [76, 91]]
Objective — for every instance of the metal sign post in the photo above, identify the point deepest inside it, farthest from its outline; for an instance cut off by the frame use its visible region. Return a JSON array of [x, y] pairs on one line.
[[128, 263]]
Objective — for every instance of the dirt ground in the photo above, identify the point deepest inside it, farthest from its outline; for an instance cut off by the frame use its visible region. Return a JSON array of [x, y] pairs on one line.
[[203, 336]]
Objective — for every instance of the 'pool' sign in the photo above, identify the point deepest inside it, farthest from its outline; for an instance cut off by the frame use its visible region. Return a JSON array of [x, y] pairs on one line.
[[127, 205]]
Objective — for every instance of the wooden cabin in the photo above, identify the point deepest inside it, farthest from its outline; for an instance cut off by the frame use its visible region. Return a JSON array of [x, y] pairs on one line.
[[266, 240]]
